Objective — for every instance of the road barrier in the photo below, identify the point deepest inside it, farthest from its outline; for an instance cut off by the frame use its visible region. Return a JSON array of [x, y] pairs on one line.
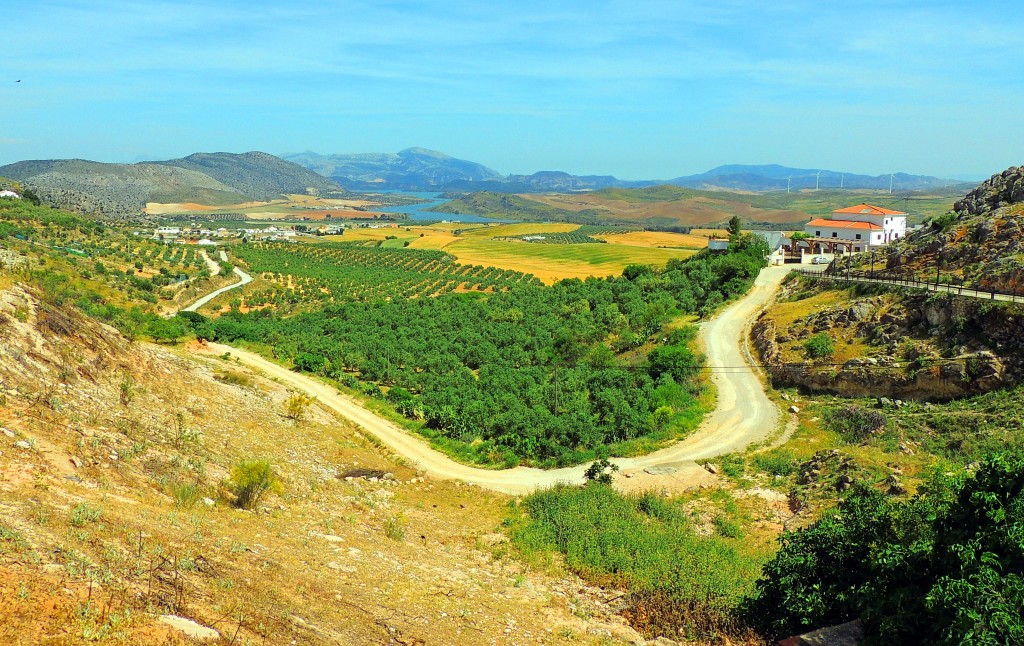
[[942, 284]]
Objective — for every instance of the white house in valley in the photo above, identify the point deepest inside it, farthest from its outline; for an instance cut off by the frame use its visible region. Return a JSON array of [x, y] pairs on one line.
[[856, 228]]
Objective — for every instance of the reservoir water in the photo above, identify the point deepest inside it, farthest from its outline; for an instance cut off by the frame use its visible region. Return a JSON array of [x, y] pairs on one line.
[[419, 211]]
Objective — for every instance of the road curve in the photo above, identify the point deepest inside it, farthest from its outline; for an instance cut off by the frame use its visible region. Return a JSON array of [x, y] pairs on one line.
[[743, 415], [244, 279]]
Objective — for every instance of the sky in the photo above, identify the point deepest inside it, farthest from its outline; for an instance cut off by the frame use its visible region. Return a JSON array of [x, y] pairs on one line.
[[639, 89]]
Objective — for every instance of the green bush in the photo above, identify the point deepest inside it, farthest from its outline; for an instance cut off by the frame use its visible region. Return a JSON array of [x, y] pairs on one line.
[[819, 346], [945, 568], [854, 423], [250, 480], [680, 584]]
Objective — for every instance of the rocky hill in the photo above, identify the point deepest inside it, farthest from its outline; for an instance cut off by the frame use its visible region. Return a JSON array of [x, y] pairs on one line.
[[979, 243], [122, 190], [255, 174], [872, 340]]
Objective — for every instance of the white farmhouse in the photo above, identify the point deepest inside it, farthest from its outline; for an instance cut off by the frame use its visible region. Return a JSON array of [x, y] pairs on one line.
[[856, 228]]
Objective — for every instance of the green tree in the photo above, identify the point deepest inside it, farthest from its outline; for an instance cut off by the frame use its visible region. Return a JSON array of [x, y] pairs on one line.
[[735, 225], [945, 568]]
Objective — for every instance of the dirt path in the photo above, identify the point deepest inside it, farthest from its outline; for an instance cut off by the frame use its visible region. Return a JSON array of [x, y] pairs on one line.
[[243, 279], [744, 414], [212, 265]]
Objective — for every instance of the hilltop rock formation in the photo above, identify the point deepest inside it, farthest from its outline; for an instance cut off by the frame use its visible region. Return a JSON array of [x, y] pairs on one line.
[[1002, 189]]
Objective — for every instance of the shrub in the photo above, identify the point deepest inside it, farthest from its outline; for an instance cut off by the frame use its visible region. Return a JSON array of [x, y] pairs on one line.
[[250, 480], [945, 568], [296, 405], [819, 346], [854, 423]]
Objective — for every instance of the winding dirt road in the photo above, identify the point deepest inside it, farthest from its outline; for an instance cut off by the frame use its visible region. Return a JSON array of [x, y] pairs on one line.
[[744, 414]]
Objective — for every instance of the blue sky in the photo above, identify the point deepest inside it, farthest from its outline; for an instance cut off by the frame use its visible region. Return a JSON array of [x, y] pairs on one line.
[[639, 89]]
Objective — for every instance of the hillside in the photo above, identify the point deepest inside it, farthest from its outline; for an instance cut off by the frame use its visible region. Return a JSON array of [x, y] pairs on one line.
[[409, 169], [977, 243], [116, 508], [664, 207], [122, 190], [254, 174]]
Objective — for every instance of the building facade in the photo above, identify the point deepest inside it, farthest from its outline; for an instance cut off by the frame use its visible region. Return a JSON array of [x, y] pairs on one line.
[[856, 228]]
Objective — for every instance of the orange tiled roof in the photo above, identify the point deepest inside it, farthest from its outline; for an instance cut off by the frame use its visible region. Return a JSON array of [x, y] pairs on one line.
[[843, 224], [868, 209]]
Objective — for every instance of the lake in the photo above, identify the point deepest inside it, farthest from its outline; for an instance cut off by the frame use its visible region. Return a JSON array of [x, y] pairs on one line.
[[419, 211]]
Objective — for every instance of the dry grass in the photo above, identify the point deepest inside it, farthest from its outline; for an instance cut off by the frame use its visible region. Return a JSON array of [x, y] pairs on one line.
[[91, 505]]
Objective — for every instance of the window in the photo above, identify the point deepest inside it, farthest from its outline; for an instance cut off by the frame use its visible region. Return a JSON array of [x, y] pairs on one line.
[[835, 235], [817, 234], [858, 237]]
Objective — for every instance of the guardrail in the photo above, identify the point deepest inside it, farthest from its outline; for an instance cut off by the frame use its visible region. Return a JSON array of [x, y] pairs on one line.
[[949, 285]]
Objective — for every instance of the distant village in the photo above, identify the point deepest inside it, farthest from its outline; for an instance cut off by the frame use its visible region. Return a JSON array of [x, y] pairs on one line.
[[209, 237]]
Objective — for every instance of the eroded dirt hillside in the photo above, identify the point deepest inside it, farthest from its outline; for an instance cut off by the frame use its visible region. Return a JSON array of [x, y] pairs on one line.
[[115, 509]]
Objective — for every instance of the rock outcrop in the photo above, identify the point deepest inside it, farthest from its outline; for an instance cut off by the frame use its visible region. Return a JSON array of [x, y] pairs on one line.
[[999, 190], [926, 347]]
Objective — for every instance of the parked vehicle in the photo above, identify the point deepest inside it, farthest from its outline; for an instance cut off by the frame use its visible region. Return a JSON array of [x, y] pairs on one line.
[[820, 260]]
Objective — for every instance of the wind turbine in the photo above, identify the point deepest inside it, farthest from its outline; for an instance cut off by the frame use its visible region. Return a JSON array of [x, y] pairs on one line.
[[842, 180], [817, 176], [789, 181], [890, 183]]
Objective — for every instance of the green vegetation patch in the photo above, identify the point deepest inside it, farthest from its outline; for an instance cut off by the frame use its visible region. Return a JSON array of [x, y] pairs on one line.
[[947, 567], [542, 375], [681, 585], [340, 272]]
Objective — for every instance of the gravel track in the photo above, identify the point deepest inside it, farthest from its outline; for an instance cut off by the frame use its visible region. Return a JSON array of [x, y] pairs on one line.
[[743, 415]]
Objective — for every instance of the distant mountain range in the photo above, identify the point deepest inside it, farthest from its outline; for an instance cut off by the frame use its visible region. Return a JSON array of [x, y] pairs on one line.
[[428, 170], [772, 177], [122, 190]]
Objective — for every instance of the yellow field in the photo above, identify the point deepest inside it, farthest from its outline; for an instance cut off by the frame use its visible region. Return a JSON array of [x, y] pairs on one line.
[[477, 245], [452, 226], [521, 229], [553, 262], [655, 239], [710, 233]]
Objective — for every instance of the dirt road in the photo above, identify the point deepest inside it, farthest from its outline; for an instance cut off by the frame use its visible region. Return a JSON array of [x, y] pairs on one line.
[[243, 279], [744, 414]]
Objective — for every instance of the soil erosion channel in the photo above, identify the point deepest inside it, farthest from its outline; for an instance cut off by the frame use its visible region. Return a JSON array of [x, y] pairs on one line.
[[743, 415]]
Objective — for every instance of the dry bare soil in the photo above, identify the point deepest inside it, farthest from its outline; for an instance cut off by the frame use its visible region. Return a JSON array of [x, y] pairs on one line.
[[114, 510]]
